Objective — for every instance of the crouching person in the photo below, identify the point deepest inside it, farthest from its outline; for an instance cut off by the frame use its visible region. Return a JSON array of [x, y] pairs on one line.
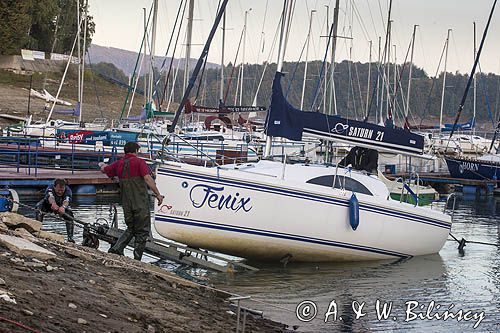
[[57, 200]]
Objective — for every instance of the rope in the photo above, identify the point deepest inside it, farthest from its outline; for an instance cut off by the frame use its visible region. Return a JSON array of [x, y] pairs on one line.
[[471, 242], [173, 277], [19, 324], [63, 217]]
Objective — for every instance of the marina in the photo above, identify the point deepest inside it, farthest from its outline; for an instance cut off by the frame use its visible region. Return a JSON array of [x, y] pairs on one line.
[[332, 182]]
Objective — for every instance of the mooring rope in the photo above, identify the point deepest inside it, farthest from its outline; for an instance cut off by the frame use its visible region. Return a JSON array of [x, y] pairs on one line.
[[464, 241], [77, 222]]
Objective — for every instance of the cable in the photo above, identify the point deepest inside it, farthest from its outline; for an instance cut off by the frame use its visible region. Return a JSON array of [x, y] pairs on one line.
[[464, 241], [19, 324]]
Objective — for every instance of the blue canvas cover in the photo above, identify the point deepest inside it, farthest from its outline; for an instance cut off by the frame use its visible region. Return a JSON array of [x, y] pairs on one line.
[[283, 120]]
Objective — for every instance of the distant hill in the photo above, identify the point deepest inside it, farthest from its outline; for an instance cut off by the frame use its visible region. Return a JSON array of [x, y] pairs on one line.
[[125, 60]]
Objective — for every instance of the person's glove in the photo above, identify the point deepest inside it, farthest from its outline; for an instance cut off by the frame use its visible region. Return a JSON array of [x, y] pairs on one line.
[[54, 207], [61, 210]]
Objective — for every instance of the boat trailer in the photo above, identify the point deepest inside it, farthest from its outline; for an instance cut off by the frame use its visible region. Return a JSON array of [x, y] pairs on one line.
[[101, 230]]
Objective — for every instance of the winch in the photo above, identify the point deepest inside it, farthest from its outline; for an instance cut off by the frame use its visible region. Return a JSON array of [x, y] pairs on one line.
[[8, 200]]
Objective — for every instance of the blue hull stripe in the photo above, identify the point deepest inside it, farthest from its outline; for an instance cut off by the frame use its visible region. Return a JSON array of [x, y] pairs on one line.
[[306, 196], [272, 234]]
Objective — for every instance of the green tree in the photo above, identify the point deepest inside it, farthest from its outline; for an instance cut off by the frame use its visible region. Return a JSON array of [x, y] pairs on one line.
[[15, 22], [67, 26], [43, 24]]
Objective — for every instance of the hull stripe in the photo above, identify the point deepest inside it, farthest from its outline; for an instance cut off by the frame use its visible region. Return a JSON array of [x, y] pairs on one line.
[[266, 233], [306, 196]]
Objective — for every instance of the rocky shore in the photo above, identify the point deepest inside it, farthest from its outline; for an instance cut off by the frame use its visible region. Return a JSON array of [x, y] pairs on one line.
[[47, 285]]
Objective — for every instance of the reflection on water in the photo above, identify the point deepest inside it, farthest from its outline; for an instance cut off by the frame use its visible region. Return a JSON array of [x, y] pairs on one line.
[[469, 282]]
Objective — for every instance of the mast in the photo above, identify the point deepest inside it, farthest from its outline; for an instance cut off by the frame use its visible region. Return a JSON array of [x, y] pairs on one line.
[[188, 43], [307, 57], [332, 66], [199, 63], [475, 81], [379, 92], [149, 107], [444, 78], [464, 97], [388, 65], [221, 97], [78, 50], [243, 56], [326, 63], [143, 61], [285, 17], [369, 77], [410, 74], [83, 60]]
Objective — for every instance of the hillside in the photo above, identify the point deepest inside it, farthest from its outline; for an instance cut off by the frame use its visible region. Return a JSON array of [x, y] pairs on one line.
[[125, 60], [101, 99]]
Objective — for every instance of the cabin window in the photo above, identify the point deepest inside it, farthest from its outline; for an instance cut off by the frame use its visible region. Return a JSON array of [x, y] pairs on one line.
[[350, 184]]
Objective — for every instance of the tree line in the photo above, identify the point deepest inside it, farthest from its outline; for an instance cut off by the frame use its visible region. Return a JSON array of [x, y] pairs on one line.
[[355, 96], [42, 25]]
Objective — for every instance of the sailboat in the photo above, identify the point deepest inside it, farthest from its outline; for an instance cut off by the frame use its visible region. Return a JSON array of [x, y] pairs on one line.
[[486, 167], [274, 211]]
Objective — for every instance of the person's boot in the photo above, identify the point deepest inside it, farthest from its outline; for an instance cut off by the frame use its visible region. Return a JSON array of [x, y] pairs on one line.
[[121, 243], [140, 245], [70, 227]]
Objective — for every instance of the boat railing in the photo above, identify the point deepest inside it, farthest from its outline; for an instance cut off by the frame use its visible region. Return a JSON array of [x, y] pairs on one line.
[[454, 196], [198, 151], [167, 140], [406, 187]]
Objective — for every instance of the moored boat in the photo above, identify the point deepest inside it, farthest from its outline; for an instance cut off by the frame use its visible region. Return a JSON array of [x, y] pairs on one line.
[[269, 211]]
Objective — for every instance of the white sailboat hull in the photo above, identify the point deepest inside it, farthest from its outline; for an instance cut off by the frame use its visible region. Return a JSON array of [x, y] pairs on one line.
[[263, 217]]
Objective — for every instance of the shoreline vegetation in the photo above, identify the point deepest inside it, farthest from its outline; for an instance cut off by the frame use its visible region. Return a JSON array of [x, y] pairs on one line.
[[104, 99], [78, 289]]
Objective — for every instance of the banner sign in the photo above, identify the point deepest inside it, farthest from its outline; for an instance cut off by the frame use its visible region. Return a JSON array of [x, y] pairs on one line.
[[108, 138]]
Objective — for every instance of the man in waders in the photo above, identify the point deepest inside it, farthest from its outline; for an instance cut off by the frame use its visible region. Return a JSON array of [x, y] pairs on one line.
[[56, 200], [134, 176]]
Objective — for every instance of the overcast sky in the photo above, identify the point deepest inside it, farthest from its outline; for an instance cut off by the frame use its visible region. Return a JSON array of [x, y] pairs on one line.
[[119, 23]]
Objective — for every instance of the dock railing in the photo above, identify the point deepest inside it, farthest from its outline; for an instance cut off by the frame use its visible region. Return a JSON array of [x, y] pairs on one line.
[[29, 154]]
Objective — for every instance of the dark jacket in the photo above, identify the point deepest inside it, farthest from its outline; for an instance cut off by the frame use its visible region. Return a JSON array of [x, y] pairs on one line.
[[361, 159]]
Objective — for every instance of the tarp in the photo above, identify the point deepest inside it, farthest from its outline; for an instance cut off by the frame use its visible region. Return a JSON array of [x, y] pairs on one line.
[[460, 127], [283, 120]]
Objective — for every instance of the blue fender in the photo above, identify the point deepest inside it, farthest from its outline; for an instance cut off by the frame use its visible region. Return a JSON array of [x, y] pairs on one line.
[[354, 212]]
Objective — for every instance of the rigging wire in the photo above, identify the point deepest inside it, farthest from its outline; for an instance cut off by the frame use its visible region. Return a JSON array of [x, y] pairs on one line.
[[434, 80], [95, 86], [160, 102], [271, 51], [232, 70]]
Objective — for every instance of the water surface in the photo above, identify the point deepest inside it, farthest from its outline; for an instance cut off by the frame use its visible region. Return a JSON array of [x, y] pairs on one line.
[[468, 282]]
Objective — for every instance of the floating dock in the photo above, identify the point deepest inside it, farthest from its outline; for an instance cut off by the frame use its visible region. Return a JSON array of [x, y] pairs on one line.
[[83, 182], [442, 181]]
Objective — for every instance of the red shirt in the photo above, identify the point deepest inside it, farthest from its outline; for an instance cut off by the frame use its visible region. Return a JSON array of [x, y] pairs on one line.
[[137, 166]]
